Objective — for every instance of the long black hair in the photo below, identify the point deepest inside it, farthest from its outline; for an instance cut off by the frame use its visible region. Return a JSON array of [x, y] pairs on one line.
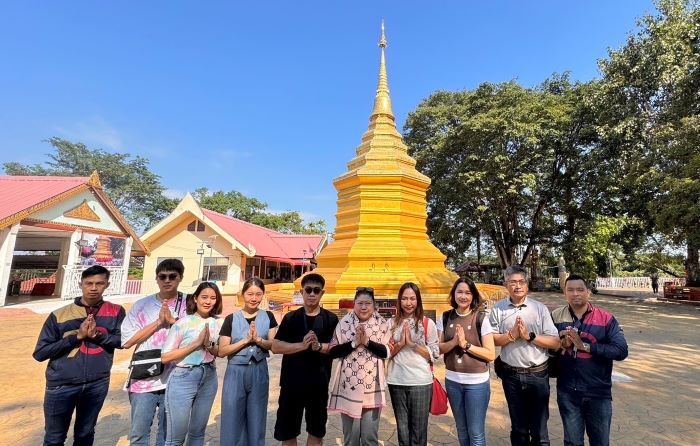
[[417, 315]]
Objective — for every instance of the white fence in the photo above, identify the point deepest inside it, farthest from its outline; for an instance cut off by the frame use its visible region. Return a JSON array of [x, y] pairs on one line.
[[72, 281], [635, 282]]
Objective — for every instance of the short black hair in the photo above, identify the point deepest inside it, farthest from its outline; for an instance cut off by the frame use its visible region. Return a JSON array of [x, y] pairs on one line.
[[171, 265], [313, 278], [476, 297], [576, 277], [95, 270]]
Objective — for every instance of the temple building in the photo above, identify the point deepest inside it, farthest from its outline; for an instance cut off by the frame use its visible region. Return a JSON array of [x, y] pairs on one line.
[[381, 238], [53, 228], [219, 248]]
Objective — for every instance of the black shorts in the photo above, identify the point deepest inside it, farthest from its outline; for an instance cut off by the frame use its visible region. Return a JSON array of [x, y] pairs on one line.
[[293, 403]]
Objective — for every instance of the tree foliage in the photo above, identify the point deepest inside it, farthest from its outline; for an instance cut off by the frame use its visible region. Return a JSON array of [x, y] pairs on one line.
[[237, 205], [650, 104], [138, 193], [501, 159], [128, 180]]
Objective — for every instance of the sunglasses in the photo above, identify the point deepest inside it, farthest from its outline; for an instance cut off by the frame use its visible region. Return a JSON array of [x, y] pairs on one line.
[[313, 289], [364, 289], [171, 276]]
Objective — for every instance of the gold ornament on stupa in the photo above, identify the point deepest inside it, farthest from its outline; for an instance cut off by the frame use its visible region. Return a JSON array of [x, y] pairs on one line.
[[381, 238]]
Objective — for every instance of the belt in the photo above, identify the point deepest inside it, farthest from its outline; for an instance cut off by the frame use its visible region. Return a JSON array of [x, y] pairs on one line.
[[534, 369], [190, 366]]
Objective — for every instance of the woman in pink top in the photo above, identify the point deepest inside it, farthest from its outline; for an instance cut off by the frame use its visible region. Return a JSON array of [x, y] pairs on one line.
[[361, 339], [192, 385]]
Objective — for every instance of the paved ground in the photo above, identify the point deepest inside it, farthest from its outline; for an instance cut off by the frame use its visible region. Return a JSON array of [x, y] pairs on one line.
[[656, 393]]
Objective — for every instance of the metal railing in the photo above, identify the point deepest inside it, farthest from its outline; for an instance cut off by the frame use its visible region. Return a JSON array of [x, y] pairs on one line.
[[635, 282], [71, 279]]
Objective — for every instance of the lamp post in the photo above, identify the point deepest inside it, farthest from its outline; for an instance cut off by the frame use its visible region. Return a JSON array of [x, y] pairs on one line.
[[303, 262], [200, 252]]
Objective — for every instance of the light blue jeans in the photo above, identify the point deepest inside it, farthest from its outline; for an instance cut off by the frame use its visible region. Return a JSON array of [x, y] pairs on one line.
[[244, 404], [469, 403], [188, 399], [143, 409]]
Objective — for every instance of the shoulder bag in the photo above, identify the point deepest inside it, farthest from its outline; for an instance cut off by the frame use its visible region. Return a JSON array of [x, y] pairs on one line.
[[146, 363], [438, 404]]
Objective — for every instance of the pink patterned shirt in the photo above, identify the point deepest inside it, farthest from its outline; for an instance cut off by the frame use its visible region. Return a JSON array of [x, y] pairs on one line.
[[144, 312]]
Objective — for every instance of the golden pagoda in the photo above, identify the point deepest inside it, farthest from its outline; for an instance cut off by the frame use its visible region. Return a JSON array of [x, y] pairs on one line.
[[381, 238]]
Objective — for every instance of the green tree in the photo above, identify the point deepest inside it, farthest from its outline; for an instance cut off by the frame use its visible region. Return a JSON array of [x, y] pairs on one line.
[[651, 123], [128, 180], [501, 159], [237, 205]]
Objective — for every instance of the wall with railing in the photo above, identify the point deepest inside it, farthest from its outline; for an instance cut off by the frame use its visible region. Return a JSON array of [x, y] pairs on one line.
[[636, 282], [117, 281]]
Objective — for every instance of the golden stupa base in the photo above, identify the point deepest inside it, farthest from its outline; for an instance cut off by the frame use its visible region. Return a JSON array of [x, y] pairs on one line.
[[283, 293]]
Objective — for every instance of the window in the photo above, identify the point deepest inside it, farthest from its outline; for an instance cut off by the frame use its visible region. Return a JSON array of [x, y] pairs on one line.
[[215, 268], [196, 226], [252, 267]]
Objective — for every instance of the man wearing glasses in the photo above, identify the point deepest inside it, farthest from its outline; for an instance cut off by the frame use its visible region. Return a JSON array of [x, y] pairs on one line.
[[303, 338], [525, 332], [146, 326], [591, 339]]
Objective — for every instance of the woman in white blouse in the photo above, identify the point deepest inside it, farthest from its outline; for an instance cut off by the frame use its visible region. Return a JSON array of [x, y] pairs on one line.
[[414, 346]]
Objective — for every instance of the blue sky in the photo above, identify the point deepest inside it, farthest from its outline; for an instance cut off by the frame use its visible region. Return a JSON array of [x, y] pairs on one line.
[[268, 98]]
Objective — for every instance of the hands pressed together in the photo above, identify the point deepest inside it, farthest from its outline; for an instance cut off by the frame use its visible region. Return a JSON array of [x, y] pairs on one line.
[[165, 317], [519, 331], [571, 338], [88, 329], [311, 340]]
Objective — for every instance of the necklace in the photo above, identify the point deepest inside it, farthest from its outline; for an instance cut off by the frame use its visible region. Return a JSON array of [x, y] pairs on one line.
[[469, 327]]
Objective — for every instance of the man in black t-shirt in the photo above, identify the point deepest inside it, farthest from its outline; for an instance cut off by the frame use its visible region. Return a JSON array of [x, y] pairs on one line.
[[303, 338]]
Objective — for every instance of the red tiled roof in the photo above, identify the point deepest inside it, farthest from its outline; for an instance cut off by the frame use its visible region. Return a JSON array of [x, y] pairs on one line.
[[18, 193], [267, 243]]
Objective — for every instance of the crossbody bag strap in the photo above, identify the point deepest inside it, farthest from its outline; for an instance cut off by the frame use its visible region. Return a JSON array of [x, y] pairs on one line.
[[181, 296]]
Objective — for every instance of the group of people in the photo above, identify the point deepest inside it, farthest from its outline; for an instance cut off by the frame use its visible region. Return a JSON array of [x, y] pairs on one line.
[[177, 337]]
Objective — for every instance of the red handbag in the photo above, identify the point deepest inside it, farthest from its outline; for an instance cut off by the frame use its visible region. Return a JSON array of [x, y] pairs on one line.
[[438, 404]]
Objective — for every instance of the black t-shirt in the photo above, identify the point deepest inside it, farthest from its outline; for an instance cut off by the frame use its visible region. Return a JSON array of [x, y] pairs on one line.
[[306, 368], [227, 326]]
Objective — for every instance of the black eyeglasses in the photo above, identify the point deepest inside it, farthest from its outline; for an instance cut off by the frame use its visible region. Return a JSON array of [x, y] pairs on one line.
[[313, 289], [171, 276], [364, 289]]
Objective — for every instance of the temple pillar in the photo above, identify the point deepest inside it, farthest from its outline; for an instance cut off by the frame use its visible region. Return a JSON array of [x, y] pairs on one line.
[[8, 237], [71, 260]]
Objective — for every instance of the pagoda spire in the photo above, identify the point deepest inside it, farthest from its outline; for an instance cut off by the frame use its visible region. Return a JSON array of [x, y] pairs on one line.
[[382, 101]]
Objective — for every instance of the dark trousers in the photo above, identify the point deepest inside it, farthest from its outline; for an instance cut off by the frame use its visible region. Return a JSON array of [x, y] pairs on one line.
[[411, 406], [527, 395], [580, 413], [60, 402]]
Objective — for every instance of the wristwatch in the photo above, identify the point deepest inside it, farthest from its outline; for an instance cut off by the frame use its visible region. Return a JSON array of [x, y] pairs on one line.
[[211, 344], [353, 344], [467, 347], [531, 337], [586, 347]]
